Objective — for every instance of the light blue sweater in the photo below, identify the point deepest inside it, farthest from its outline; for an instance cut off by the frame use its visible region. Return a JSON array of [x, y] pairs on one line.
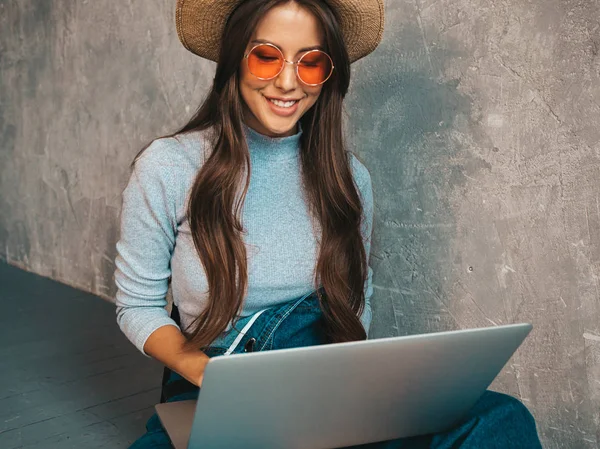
[[156, 242]]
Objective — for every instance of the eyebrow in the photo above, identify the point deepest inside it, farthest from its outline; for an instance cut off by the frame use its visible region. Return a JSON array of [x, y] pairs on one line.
[[302, 50]]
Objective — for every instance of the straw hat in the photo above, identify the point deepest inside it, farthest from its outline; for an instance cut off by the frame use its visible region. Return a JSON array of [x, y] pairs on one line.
[[200, 24]]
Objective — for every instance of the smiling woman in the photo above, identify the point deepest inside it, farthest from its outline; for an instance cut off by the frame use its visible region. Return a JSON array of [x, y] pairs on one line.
[[267, 142], [283, 70], [256, 207]]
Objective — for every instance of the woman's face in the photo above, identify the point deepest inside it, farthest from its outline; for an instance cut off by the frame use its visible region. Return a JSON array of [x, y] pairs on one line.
[[293, 29]]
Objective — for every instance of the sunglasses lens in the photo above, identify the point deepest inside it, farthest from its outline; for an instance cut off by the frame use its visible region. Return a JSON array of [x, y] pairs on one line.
[[265, 61], [315, 67]]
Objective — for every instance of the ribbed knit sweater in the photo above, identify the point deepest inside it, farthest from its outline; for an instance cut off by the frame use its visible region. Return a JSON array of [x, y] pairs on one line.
[[156, 243]]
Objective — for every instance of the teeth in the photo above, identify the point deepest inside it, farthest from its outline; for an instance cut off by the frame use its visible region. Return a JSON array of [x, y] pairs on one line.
[[283, 104]]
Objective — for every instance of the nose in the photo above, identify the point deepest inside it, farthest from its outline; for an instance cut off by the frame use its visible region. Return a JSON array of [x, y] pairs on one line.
[[287, 80]]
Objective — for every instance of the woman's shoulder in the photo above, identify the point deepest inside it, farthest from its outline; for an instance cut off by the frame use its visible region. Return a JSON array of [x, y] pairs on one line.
[[183, 151]]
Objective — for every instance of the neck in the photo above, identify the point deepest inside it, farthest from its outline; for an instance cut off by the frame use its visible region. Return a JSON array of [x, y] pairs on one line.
[[263, 147]]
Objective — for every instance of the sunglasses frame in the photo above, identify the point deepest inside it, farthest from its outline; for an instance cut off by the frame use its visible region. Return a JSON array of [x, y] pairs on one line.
[[247, 55]]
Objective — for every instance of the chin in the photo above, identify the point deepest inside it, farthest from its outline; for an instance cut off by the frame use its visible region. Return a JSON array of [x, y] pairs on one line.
[[278, 129]]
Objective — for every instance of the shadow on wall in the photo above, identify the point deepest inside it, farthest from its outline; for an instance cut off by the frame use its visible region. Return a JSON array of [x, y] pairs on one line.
[[403, 126]]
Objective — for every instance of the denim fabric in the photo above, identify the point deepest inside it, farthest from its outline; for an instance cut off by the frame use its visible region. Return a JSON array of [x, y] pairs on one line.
[[496, 421]]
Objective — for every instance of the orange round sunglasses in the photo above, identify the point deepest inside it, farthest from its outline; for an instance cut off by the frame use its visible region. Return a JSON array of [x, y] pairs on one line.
[[266, 61]]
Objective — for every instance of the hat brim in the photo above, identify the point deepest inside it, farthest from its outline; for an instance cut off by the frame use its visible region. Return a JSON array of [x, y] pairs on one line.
[[200, 25]]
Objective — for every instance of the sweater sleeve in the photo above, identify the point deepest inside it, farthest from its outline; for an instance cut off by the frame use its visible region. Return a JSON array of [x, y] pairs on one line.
[[363, 181], [367, 194], [148, 229]]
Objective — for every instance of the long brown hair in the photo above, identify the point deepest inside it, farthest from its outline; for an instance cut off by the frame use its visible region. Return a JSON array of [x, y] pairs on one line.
[[216, 200]]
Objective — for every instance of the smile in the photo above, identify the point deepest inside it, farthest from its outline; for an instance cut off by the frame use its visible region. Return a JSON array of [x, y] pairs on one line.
[[282, 108], [283, 104]]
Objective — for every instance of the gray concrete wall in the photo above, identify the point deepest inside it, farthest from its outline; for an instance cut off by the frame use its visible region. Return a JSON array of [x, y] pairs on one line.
[[478, 121]]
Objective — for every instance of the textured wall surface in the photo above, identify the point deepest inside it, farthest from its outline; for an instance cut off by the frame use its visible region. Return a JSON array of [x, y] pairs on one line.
[[478, 121]]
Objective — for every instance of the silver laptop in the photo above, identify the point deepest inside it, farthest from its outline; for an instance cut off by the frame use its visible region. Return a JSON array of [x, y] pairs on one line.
[[342, 394]]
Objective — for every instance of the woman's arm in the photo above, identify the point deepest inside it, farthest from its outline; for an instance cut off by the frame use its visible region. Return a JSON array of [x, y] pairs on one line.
[[367, 230], [363, 181], [143, 263]]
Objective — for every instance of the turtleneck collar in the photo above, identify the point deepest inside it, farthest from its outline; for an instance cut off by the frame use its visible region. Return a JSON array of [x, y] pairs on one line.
[[272, 148]]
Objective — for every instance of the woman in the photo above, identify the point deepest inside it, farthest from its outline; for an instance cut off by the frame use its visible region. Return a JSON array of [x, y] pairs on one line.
[[255, 210]]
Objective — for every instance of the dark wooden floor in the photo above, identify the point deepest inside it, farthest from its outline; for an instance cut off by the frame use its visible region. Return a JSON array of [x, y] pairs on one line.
[[68, 377]]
